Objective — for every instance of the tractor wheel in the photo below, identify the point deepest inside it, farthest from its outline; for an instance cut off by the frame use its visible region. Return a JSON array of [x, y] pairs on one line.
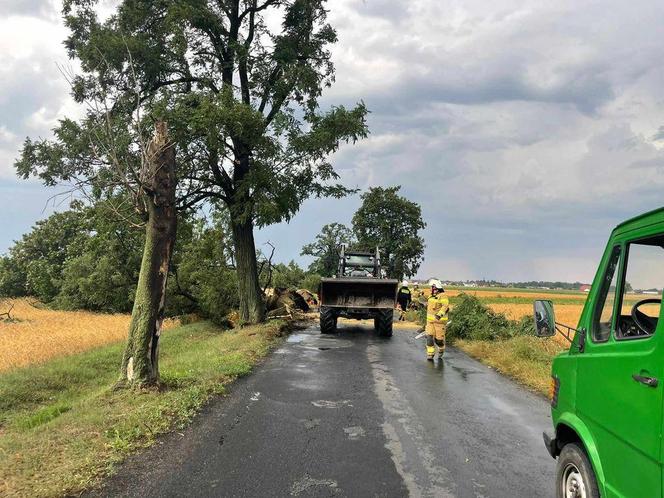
[[328, 321], [383, 323]]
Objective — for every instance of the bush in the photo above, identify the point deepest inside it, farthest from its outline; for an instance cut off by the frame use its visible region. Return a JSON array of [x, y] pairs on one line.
[[311, 282], [288, 276], [526, 326], [418, 316], [471, 319]]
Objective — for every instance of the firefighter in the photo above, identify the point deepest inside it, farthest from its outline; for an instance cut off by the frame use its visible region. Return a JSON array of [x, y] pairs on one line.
[[437, 308], [417, 296], [404, 298]]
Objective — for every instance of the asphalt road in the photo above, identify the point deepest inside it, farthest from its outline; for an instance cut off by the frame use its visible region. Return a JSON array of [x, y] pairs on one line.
[[355, 415]]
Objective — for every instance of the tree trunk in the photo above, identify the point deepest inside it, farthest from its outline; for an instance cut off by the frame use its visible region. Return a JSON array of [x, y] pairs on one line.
[[252, 306], [140, 363]]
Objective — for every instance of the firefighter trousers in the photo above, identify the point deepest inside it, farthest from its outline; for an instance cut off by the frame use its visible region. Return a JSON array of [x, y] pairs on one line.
[[435, 332]]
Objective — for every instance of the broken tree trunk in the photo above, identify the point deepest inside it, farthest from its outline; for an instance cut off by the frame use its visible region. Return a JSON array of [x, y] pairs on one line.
[[140, 363]]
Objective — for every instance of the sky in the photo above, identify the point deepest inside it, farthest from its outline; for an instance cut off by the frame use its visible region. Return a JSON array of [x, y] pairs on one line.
[[526, 130]]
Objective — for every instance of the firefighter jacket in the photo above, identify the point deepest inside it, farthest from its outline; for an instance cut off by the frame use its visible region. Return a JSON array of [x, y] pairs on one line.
[[437, 308]]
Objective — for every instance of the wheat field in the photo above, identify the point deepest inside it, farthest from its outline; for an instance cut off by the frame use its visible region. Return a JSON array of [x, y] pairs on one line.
[[505, 293], [568, 314], [38, 334]]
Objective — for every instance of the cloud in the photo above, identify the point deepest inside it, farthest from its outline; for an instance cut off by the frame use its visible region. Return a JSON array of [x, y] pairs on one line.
[[528, 128], [30, 8], [525, 129], [33, 92]]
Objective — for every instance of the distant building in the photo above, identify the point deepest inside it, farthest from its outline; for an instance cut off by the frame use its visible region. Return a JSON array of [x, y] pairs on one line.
[[585, 288]]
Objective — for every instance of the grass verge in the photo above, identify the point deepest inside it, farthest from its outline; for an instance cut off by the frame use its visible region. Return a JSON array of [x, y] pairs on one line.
[[525, 359], [62, 426]]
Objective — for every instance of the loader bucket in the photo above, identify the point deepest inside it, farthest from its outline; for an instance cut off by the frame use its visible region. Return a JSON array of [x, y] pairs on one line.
[[358, 293]]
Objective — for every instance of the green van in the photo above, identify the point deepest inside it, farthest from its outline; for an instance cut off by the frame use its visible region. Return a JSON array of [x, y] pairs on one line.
[[606, 391]]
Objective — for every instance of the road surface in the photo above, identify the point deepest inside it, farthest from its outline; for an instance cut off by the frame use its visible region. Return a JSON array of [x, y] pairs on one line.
[[355, 415]]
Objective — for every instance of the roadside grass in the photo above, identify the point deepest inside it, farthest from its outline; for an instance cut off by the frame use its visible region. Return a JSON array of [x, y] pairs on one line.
[[525, 359], [63, 426]]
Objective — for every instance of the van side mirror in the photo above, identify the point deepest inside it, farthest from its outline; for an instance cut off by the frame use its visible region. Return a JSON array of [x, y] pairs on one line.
[[545, 319]]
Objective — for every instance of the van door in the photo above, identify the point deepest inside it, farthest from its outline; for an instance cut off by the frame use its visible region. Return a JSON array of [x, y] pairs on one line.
[[621, 372]]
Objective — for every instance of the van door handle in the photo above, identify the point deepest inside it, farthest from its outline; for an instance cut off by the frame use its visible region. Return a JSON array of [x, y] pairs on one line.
[[648, 381]]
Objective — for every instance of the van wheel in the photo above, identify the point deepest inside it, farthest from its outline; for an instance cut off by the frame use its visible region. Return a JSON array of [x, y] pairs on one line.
[[383, 323], [328, 321], [575, 477]]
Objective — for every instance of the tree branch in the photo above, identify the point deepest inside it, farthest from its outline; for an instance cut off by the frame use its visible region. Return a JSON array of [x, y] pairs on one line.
[[254, 9]]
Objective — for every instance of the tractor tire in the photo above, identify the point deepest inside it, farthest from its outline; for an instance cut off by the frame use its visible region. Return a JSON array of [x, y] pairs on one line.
[[574, 473], [328, 321], [383, 323]]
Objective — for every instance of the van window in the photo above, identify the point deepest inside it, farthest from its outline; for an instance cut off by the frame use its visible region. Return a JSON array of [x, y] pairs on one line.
[[603, 314], [641, 297]]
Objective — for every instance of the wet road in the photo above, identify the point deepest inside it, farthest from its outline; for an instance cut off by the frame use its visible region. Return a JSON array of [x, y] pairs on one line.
[[355, 415]]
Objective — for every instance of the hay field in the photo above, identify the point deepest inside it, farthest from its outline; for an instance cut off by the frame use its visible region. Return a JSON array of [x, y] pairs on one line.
[[39, 334], [568, 314], [568, 307], [506, 293]]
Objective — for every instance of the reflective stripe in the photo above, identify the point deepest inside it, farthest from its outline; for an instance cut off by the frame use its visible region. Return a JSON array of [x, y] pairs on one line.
[[432, 318]]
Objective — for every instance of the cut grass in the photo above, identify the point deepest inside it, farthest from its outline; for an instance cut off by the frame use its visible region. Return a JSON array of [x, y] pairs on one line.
[[62, 426], [525, 359]]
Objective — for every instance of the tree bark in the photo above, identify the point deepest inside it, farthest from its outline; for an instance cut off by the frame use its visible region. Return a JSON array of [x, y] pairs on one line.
[[140, 363], [252, 306]]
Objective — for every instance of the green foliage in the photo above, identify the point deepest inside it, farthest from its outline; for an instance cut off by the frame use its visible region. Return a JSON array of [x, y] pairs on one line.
[[526, 326], [325, 249], [12, 277], [35, 264], [102, 275], [240, 95], [471, 319], [311, 282], [241, 98], [76, 259], [393, 223], [204, 280], [288, 276], [418, 316], [85, 258]]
